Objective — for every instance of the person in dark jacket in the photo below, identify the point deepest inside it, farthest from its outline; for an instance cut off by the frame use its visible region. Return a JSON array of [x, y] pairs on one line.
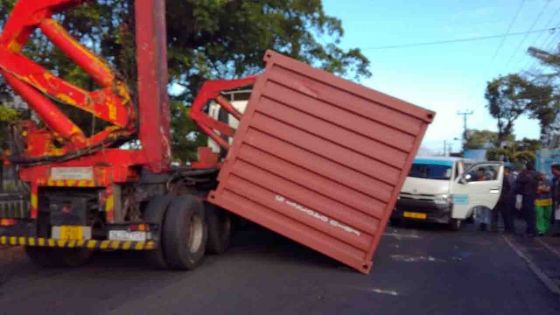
[[555, 194], [526, 185], [504, 207]]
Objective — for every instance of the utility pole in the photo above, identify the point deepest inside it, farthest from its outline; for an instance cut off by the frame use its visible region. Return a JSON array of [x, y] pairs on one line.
[[465, 115]]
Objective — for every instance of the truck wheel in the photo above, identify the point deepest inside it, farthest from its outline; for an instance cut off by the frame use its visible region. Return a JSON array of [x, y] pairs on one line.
[[184, 233], [155, 214], [455, 224], [58, 257], [219, 229]]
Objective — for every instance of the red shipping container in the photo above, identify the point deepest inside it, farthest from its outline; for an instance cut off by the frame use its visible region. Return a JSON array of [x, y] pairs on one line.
[[320, 160]]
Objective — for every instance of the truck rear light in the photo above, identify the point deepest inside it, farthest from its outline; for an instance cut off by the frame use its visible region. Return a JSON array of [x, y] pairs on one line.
[[139, 227], [8, 222]]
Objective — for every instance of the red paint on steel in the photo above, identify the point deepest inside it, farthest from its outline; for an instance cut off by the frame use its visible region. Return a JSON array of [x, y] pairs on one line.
[[320, 160], [98, 70], [34, 83], [211, 90], [151, 58], [47, 111]]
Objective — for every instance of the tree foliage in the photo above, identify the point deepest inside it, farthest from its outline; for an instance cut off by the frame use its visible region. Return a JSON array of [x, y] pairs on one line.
[[480, 139], [207, 39], [7, 115], [509, 97], [519, 151]]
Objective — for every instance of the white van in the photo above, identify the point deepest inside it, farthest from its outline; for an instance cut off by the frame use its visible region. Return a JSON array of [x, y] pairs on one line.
[[447, 190]]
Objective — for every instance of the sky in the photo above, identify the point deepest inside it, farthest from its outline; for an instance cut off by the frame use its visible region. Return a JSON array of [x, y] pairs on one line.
[[451, 77]]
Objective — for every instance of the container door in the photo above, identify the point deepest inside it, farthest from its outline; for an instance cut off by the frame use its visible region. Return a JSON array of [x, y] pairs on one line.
[[480, 186]]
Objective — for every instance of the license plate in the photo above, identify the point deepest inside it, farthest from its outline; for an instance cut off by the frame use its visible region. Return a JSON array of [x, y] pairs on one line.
[[71, 233], [415, 215], [137, 236]]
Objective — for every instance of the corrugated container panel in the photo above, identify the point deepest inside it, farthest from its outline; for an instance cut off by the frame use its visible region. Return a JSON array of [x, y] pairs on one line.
[[320, 160]]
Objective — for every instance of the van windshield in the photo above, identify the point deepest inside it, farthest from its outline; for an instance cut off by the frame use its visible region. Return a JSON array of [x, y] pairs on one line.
[[430, 171]]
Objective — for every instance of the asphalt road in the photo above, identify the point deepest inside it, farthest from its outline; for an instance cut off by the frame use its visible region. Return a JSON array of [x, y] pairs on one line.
[[417, 270]]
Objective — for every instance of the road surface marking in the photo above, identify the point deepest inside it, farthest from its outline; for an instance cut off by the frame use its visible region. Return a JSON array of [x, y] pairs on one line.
[[549, 283], [402, 236], [408, 258], [550, 248]]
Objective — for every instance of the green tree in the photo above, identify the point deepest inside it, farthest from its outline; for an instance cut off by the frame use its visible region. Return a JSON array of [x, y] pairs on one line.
[[548, 76], [480, 139], [518, 151], [7, 115], [509, 97], [207, 39]]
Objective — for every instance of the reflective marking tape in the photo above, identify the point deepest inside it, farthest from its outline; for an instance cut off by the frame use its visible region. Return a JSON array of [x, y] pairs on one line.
[[90, 244]]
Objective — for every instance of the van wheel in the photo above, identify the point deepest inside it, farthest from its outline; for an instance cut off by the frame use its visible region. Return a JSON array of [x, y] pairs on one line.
[[155, 214], [219, 229], [455, 224], [184, 233]]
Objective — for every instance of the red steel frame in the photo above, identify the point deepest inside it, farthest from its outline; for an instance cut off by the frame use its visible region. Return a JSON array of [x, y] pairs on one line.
[[111, 103], [216, 130], [211, 90]]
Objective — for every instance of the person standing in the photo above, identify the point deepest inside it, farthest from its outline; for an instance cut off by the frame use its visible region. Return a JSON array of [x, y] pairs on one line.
[[543, 205], [504, 207], [526, 186], [555, 194]]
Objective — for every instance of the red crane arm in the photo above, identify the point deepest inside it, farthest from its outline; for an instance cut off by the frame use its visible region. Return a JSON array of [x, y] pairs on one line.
[[211, 90], [36, 84]]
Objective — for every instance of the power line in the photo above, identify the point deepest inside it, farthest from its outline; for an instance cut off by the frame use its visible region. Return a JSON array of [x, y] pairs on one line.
[[507, 31], [501, 44], [544, 44], [548, 24], [516, 51], [459, 40]]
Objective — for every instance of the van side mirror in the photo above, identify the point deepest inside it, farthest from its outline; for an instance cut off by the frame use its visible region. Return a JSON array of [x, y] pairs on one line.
[[465, 179]]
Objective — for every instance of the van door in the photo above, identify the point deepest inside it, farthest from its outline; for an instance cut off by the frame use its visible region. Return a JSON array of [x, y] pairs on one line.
[[479, 186]]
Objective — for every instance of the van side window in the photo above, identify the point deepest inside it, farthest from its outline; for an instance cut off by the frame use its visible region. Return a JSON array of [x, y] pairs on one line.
[[483, 173]]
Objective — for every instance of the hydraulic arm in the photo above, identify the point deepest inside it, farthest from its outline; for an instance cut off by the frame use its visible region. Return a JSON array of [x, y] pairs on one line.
[[41, 88]]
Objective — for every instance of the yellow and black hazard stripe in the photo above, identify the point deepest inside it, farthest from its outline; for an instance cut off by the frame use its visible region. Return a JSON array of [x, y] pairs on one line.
[[91, 244]]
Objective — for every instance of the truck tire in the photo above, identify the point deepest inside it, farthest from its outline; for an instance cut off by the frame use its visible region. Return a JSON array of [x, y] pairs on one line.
[[184, 233], [155, 214], [219, 229], [455, 224], [58, 257]]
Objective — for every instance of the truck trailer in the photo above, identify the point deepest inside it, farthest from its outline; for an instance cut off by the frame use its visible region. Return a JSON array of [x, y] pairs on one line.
[[315, 158]]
